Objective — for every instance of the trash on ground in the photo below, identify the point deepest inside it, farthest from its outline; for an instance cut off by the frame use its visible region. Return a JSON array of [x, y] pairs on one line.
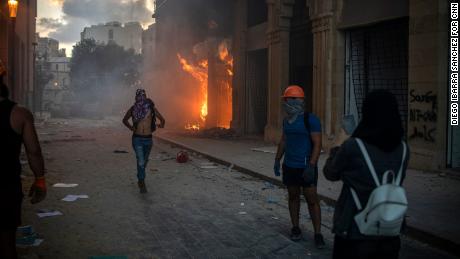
[[218, 132], [276, 218], [231, 167], [25, 230], [182, 157], [270, 150], [26, 240], [120, 152], [242, 213], [242, 204], [29, 241], [72, 197], [65, 185], [48, 213]]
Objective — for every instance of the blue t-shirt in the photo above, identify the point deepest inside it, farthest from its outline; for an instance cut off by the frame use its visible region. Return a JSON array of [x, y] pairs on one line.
[[298, 146]]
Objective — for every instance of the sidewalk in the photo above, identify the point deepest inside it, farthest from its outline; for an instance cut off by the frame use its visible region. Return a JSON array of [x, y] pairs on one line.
[[434, 200]]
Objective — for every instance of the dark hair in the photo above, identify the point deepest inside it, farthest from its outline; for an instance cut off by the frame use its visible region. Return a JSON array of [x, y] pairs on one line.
[[4, 92], [381, 123]]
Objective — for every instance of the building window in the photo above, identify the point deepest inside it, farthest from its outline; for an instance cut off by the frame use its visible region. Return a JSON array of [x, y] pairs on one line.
[[110, 34], [57, 67], [377, 58]]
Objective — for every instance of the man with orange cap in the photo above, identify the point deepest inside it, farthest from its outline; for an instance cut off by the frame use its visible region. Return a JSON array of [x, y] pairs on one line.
[[301, 146], [16, 127]]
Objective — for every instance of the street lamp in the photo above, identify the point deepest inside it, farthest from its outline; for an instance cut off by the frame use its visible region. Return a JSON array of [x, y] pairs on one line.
[[13, 8]]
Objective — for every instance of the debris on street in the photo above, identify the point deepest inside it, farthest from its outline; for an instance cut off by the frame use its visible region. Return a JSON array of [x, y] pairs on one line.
[[120, 152], [182, 157], [48, 213], [270, 150], [72, 197], [65, 185]]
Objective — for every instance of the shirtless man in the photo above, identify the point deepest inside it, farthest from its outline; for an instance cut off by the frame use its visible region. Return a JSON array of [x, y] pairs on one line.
[[16, 127], [142, 113]]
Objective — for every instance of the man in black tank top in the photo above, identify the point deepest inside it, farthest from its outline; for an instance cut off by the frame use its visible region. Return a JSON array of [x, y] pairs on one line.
[[16, 127]]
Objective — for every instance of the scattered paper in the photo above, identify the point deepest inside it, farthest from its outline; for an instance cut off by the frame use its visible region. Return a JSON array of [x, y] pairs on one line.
[[49, 214], [242, 213], [270, 150], [72, 197], [37, 242], [242, 204], [230, 167], [275, 218], [65, 185]]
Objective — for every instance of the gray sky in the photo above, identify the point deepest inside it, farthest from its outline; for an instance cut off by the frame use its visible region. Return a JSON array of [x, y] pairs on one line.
[[65, 19]]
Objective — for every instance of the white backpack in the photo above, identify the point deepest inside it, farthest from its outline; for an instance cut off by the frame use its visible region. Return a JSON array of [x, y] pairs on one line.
[[387, 204]]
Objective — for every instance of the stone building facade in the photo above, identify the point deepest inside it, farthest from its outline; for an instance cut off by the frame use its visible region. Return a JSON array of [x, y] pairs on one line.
[[128, 35], [338, 51], [22, 60]]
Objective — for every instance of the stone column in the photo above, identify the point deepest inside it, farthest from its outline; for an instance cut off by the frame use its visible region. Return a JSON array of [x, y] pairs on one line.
[[321, 15], [239, 68], [279, 21], [428, 82]]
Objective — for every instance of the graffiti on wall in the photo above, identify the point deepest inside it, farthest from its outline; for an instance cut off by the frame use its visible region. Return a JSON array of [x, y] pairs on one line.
[[423, 115]]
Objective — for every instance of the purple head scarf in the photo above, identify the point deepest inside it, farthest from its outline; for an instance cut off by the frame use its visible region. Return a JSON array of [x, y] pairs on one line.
[[142, 105]]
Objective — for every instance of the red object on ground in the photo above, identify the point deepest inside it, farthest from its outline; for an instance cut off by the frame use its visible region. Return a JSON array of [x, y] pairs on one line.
[[182, 157]]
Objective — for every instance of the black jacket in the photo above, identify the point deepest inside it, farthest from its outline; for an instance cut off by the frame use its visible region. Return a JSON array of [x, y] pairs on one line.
[[347, 164]]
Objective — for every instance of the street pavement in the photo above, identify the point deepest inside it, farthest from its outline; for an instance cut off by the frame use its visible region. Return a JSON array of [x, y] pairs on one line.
[[434, 203], [192, 210]]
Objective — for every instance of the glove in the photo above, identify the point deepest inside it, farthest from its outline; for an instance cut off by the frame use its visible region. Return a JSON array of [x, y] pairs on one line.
[[276, 168], [38, 190]]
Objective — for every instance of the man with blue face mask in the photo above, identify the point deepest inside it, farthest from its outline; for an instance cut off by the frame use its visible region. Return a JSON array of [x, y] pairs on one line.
[[301, 146]]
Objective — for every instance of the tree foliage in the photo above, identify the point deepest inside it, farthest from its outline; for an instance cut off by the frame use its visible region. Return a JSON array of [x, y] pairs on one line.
[[96, 69]]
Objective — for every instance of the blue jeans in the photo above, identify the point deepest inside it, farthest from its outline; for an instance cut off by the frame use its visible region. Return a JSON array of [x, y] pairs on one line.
[[142, 147]]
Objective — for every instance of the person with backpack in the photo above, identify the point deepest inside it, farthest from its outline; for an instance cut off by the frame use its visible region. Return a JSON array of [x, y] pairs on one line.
[[301, 146], [143, 114], [372, 164]]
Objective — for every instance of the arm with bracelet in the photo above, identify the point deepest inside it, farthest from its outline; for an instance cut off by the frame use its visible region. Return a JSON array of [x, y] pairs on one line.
[[34, 154]]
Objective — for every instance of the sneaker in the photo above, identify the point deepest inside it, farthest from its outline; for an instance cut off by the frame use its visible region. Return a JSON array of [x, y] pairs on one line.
[[319, 241], [296, 234], [142, 187]]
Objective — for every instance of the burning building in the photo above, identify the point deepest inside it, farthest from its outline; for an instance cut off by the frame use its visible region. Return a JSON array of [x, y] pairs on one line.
[[192, 72], [338, 51]]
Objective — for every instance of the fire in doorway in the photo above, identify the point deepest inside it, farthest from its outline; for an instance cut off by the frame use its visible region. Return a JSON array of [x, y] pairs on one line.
[[213, 77]]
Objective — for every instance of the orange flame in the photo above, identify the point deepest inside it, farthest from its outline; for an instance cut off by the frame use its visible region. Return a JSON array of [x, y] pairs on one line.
[[225, 56], [200, 73]]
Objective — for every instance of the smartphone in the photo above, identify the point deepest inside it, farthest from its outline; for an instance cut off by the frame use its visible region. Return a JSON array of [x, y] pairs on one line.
[[348, 124]]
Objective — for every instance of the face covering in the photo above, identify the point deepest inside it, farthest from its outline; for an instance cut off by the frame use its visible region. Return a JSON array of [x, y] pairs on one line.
[[142, 106], [293, 108]]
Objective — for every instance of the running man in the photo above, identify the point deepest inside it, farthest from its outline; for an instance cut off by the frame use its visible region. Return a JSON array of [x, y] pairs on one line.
[[143, 114]]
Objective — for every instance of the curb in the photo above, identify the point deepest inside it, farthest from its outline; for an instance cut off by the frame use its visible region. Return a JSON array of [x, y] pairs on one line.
[[412, 232]]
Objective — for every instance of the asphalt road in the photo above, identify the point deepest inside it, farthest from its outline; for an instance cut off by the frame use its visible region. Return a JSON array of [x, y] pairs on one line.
[[188, 212]]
